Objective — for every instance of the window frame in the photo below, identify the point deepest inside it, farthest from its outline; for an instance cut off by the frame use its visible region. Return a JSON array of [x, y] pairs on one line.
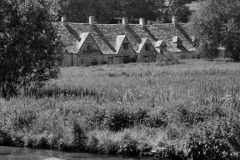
[[110, 60], [147, 47], [179, 43], [89, 47], [125, 46], [94, 61], [146, 59]]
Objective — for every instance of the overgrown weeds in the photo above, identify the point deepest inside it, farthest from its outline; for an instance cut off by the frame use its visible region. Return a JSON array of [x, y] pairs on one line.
[[190, 109]]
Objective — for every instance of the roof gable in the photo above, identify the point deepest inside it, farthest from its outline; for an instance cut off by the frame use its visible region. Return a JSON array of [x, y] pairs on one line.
[[84, 37], [107, 35], [87, 38], [160, 44], [176, 39], [142, 44], [119, 43]]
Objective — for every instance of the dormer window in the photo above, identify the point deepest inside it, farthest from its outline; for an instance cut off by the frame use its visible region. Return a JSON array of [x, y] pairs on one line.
[[179, 43], [125, 46], [147, 47]]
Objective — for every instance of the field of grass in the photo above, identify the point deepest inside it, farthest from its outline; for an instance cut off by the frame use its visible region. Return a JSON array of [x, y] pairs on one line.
[[186, 110]]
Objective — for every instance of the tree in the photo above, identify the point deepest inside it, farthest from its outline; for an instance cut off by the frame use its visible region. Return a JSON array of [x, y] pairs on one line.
[[80, 10], [30, 48], [217, 23], [105, 10], [164, 9], [231, 28]]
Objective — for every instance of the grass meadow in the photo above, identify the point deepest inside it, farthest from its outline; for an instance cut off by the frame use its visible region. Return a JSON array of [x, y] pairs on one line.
[[188, 110]]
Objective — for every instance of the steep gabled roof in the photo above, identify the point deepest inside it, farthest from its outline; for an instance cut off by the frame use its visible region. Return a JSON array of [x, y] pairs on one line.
[[119, 42], [178, 47], [84, 37], [105, 35], [142, 44], [160, 44], [176, 39], [79, 45]]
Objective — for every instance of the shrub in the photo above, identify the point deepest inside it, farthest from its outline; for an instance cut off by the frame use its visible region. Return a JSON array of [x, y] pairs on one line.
[[117, 119], [5, 139], [217, 141], [95, 119], [156, 119]]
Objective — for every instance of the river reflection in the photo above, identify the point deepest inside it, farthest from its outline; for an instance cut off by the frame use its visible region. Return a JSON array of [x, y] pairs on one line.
[[12, 153]]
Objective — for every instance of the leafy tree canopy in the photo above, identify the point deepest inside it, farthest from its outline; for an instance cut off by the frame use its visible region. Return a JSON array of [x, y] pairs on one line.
[[106, 10], [216, 24], [28, 45]]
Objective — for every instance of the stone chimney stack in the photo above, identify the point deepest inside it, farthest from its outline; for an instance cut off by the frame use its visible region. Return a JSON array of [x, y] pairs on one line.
[[142, 22], [91, 20], [174, 20], [63, 18], [125, 21]]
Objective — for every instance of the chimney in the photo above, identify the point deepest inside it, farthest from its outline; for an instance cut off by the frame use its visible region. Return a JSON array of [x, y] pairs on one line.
[[174, 20], [91, 20], [63, 18], [142, 22], [125, 21]]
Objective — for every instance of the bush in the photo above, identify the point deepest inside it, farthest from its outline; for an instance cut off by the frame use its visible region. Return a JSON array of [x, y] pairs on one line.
[[217, 141], [117, 119], [5, 139], [156, 119]]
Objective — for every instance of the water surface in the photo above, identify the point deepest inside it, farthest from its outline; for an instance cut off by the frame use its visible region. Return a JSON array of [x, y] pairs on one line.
[[12, 153]]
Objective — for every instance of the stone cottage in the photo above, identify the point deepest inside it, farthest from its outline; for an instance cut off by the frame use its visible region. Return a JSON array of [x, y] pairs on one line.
[[92, 44]]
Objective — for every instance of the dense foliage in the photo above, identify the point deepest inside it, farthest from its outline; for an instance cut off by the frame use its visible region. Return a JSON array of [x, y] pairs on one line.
[[186, 110], [107, 11], [30, 48], [217, 24]]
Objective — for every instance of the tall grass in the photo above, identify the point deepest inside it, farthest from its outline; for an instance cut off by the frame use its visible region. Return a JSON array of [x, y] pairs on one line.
[[189, 110]]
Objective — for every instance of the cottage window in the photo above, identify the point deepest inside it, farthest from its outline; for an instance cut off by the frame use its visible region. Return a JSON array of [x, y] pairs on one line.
[[145, 58], [134, 58], [94, 62], [147, 47], [89, 47], [125, 46], [110, 60], [126, 59]]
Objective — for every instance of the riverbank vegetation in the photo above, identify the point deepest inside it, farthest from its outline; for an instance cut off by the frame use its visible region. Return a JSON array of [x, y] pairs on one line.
[[185, 110]]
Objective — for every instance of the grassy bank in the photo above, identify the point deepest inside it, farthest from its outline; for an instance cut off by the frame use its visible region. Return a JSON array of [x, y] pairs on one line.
[[186, 110]]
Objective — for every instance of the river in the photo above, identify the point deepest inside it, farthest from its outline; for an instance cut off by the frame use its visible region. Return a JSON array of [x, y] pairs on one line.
[[15, 153]]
